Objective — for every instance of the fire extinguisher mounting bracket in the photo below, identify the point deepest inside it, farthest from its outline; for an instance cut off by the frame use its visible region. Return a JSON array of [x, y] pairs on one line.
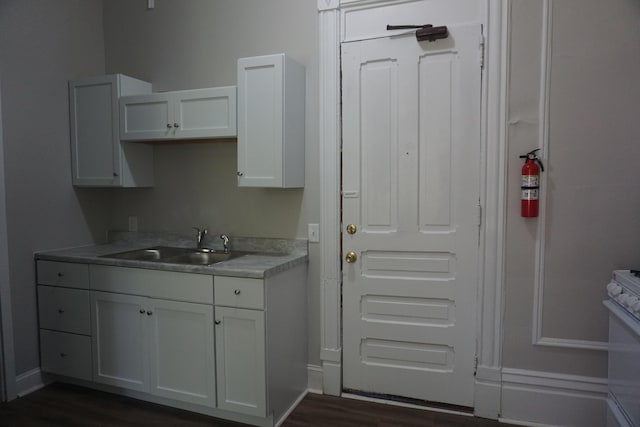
[[533, 155]]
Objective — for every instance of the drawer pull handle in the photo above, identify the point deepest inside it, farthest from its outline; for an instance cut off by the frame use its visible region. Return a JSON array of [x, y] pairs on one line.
[[142, 311], [217, 322], [60, 310], [60, 274], [149, 313], [63, 355], [237, 292]]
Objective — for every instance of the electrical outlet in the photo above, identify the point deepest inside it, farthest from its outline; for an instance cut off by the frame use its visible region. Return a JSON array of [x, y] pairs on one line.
[[133, 223], [314, 233]]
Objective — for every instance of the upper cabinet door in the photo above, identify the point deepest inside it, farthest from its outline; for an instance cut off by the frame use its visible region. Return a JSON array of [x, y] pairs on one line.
[[146, 117], [94, 132], [185, 114], [98, 157], [205, 113], [271, 117]]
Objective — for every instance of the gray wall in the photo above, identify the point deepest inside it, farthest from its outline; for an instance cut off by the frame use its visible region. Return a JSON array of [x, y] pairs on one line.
[[593, 204], [43, 44], [193, 44]]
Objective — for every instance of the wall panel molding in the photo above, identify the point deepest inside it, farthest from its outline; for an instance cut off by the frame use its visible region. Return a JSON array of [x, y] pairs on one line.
[[544, 144], [553, 399]]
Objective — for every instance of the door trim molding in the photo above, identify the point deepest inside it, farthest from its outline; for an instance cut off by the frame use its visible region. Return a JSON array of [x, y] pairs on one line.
[[329, 121], [493, 193], [495, 106]]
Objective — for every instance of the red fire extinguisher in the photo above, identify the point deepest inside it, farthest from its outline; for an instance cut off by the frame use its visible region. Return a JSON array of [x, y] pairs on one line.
[[530, 184]]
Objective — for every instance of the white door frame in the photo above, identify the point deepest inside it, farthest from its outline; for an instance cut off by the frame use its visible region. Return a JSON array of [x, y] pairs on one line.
[[333, 21], [7, 361]]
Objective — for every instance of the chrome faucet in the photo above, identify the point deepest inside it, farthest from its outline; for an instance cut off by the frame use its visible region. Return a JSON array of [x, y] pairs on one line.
[[225, 243], [200, 236]]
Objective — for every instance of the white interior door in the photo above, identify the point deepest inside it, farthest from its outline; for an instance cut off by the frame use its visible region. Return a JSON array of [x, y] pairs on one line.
[[411, 172]]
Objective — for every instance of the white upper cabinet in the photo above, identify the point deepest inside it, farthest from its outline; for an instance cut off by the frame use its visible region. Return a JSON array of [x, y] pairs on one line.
[[271, 122], [185, 114], [98, 157]]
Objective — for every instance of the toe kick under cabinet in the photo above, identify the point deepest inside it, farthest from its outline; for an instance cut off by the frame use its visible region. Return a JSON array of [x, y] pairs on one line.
[[230, 347]]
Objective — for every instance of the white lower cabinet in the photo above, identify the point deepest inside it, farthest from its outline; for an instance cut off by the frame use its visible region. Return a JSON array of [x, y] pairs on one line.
[[182, 355], [152, 334], [152, 345], [119, 340], [65, 354], [240, 360], [64, 320]]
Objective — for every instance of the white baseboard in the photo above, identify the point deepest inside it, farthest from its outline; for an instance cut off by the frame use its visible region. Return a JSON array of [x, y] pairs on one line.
[[536, 398], [331, 378], [29, 381], [314, 381], [488, 389]]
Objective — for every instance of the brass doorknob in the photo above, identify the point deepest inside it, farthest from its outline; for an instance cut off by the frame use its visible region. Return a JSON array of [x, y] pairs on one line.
[[351, 257], [351, 229]]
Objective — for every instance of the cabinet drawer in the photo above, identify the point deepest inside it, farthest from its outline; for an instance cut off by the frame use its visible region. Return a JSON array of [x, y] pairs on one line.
[[64, 309], [170, 285], [63, 274], [65, 354], [239, 292]]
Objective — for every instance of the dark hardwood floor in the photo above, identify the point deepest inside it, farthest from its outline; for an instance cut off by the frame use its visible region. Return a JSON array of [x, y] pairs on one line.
[[67, 405]]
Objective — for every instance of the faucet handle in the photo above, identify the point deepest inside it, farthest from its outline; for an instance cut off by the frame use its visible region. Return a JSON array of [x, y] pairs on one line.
[[202, 231], [225, 242], [200, 236]]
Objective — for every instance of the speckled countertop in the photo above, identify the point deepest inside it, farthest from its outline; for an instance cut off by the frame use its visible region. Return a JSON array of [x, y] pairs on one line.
[[269, 257]]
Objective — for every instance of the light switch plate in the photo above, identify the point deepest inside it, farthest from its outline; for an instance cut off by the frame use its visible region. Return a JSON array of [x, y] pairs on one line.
[[314, 233]]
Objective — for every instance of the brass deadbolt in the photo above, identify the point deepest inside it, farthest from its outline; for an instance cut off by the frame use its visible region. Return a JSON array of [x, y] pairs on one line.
[[351, 229], [351, 257]]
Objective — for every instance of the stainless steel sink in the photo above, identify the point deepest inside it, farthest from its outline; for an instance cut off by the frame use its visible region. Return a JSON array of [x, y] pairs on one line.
[[176, 255], [201, 258]]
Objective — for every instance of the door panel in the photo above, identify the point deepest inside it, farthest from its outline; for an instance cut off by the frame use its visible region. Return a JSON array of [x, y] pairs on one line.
[[411, 147]]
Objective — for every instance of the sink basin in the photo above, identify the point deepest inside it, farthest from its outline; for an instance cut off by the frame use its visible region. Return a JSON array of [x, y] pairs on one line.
[[176, 255], [151, 254], [201, 258]]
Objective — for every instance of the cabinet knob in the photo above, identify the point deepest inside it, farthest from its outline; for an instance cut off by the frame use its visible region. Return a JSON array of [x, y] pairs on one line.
[[240, 173], [142, 311], [175, 125], [237, 292], [60, 310], [149, 313], [168, 125], [217, 322], [63, 355], [115, 174], [60, 274]]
